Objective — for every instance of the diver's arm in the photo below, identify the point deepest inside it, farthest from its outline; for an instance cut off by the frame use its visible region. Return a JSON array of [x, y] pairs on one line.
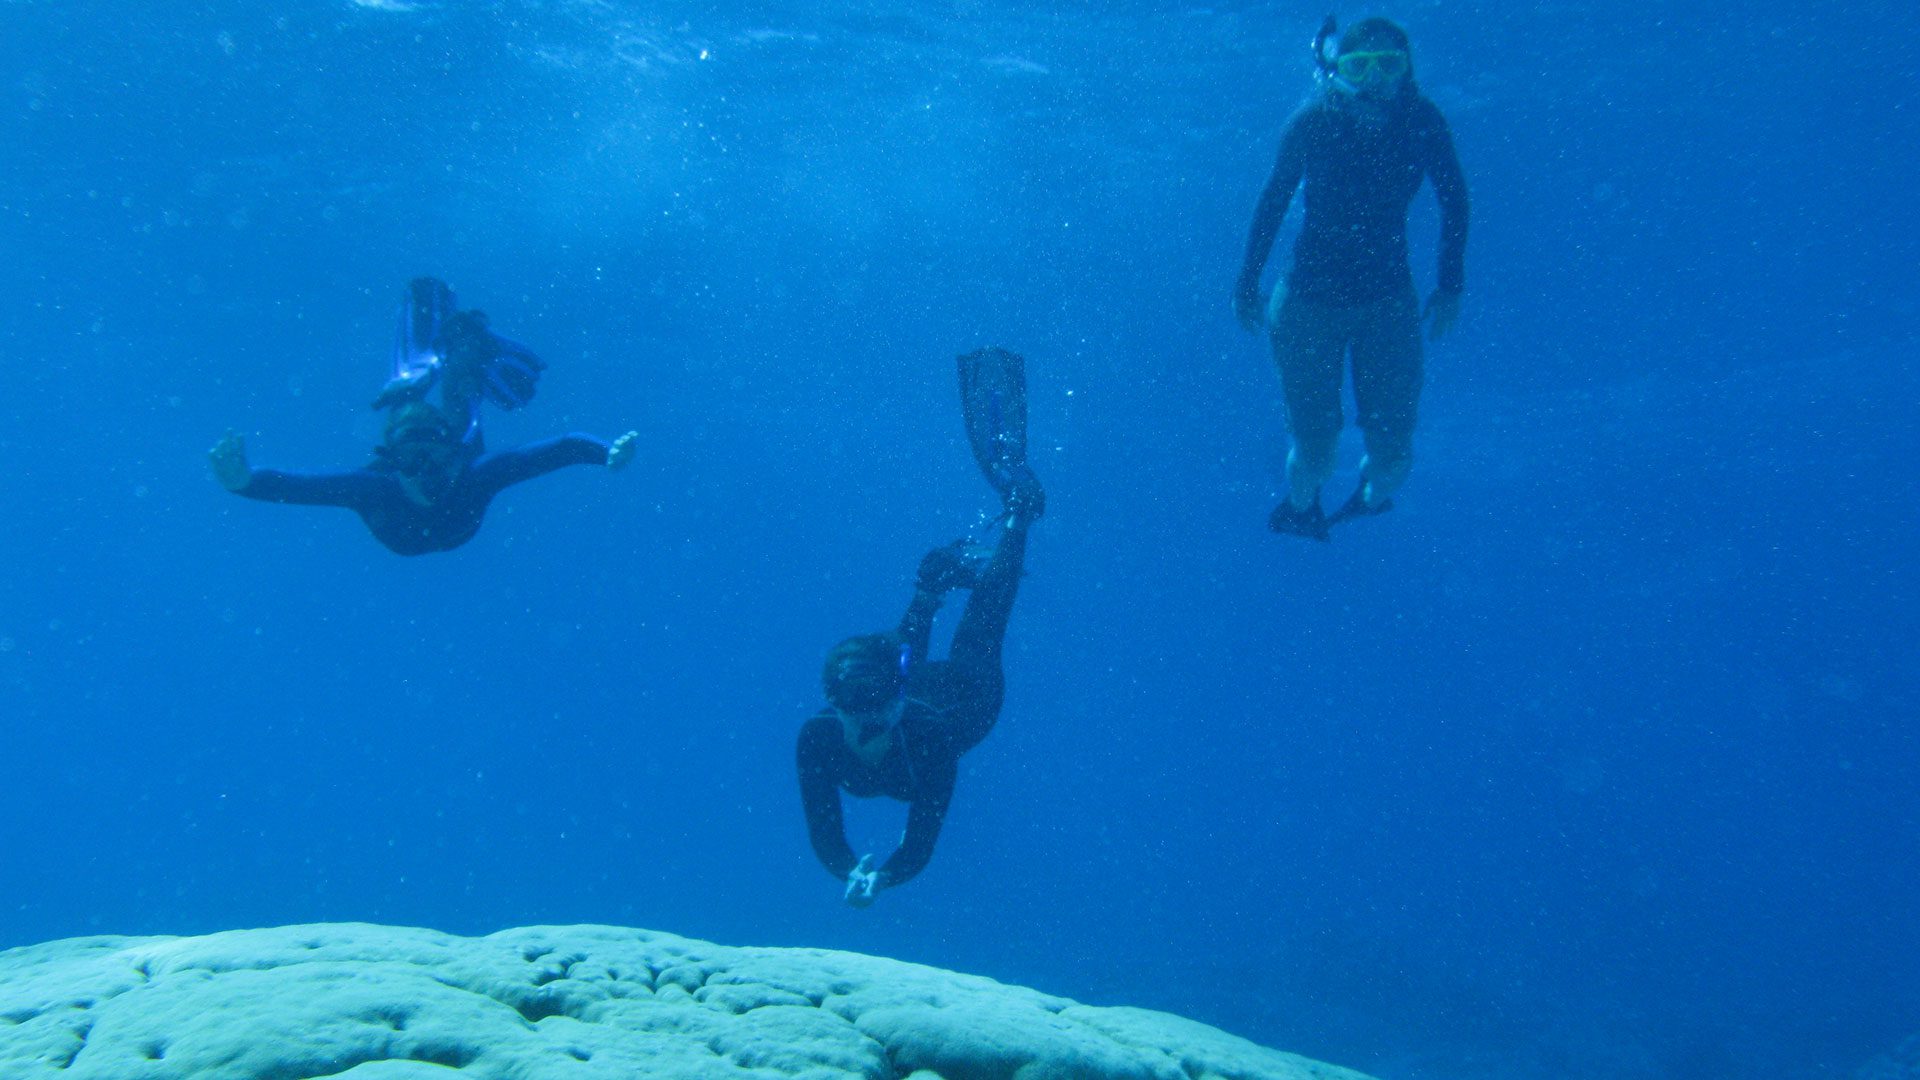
[[496, 472], [927, 813], [1450, 187], [1288, 169], [354, 490], [820, 796]]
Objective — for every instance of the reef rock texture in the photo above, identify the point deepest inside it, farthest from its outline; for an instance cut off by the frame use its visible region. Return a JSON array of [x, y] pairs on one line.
[[360, 1002]]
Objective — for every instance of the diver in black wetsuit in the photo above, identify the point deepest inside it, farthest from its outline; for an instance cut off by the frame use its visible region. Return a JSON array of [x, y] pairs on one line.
[[896, 723], [431, 480], [425, 491], [1358, 150]]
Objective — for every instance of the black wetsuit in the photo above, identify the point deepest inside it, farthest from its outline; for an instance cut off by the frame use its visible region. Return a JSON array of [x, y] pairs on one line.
[[950, 706], [405, 526], [1358, 182]]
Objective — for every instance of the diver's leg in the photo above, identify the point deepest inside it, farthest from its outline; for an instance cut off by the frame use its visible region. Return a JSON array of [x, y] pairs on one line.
[[1308, 345], [983, 626], [1388, 372], [978, 641]]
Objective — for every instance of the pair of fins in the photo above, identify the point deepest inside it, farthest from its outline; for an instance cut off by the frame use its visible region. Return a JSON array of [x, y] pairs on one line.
[[437, 344]]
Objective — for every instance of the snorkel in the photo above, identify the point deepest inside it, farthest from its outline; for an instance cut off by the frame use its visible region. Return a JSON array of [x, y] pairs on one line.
[[1324, 54]]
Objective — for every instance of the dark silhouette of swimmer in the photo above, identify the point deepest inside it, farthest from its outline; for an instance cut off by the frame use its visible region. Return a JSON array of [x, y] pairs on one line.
[[425, 490], [897, 722], [431, 479], [1358, 150]]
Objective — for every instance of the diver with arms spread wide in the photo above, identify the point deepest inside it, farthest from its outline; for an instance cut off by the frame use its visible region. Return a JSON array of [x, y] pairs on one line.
[[431, 479], [1358, 151], [897, 723]]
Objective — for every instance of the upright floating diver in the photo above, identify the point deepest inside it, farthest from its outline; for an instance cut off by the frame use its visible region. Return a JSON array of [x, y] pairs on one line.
[[431, 480], [1361, 146], [896, 722]]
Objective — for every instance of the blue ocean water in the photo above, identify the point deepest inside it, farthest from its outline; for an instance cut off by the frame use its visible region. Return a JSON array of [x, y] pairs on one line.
[[1594, 759]]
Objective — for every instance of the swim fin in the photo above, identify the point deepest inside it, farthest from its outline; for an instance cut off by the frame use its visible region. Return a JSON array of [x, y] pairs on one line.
[[417, 349], [993, 401], [1356, 507], [511, 376], [1311, 523]]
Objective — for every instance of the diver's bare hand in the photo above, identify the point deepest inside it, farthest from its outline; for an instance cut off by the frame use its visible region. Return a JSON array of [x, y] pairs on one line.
[[862, 884], [1248, 308], [621, 453], [1443, 310], [229, 460]]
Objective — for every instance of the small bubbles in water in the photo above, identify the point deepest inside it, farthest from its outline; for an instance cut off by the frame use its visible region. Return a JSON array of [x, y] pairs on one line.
[[6, 644], [140, 492]]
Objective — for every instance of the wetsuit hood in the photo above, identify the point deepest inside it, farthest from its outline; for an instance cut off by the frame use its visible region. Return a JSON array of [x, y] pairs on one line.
[[866, 673]]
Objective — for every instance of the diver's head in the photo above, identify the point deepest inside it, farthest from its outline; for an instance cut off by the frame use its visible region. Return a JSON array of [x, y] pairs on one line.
[[423, 447], [865, 679], [1373, 60]]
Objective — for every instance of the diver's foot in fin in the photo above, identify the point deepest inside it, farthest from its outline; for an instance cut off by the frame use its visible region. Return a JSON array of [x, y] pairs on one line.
[[1356, 507], [955, 566], [1025, 499], [1311, 523]]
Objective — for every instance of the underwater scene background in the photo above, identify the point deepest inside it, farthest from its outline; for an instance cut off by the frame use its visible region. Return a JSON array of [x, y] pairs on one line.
[[1595, 758]]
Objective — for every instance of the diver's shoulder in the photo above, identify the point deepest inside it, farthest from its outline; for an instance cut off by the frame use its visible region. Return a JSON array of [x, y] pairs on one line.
[[821, 725], [1314, 111], [1423, 113]]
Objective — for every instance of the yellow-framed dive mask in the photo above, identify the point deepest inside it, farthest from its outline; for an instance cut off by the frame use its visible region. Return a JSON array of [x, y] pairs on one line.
[[1360, 68]]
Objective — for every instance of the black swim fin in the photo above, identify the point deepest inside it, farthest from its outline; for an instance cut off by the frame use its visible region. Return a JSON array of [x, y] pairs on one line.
[[993, 401], [1356, 507], [1311, 523]]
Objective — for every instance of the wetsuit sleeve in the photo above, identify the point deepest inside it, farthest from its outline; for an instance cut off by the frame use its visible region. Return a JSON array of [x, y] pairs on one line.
[[1450, 186], [496, 472], [927, 813], [1288, 169], [354, 490], [820, 797]]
